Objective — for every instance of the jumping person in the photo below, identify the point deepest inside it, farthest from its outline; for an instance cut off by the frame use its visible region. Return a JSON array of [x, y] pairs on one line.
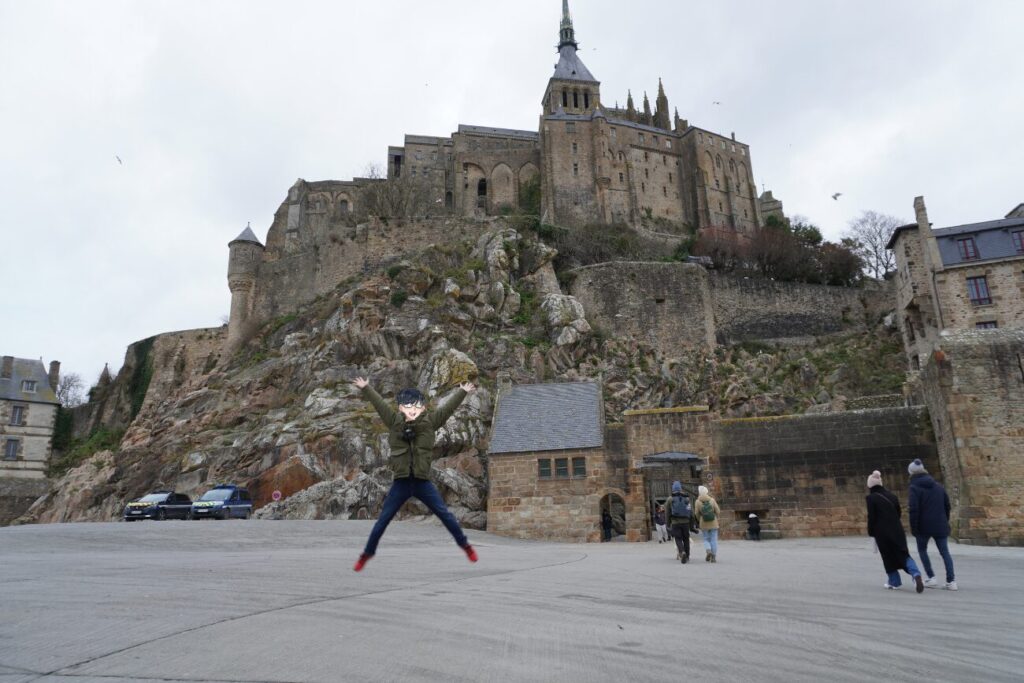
[[411, 437]]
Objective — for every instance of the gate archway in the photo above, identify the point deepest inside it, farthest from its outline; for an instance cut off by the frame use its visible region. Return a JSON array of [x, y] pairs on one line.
[[616, 506]]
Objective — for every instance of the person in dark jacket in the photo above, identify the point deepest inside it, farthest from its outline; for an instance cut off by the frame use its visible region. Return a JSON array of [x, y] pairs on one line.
[[928, 506], [411, 438], [885, 526], [606, 526], [659, 524], [753, 527], [680, 520]]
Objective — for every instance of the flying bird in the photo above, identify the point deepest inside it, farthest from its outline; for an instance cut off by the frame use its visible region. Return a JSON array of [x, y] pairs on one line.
[[716, 103], [837, 195], [119, 160]]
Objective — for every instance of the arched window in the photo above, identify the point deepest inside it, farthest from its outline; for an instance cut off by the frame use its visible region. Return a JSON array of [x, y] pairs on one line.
[[575, 99], [718, 162], [481, 188], [343, 206], [586, 100], [565, 99]]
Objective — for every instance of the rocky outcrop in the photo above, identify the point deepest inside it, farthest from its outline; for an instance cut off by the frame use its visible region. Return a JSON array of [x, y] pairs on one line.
[[280, 414]]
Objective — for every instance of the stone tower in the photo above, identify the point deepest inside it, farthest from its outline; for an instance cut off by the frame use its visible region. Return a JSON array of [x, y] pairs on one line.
[[572, 89], [243, 264]]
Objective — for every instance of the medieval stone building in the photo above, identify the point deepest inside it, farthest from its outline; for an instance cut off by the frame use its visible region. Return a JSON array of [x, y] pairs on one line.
[[28, 410], [963, 277], [597, 164]]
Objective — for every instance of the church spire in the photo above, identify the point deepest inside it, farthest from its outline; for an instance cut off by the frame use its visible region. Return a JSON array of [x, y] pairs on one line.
[[566, 33]]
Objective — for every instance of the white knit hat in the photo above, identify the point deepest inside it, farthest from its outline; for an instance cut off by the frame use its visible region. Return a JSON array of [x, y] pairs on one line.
[[751, 516], [917, 467], [703, 490], [875, 479]]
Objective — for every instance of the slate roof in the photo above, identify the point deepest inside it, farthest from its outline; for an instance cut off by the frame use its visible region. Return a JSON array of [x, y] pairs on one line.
[[499, 132], [1001, 224], [570, 67], [548, 417], [247, 236], [27, 369]]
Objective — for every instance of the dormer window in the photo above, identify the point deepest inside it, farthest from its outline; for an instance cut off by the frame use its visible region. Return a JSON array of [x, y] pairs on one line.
[[968, 250], [29, 386], [1018, 241]]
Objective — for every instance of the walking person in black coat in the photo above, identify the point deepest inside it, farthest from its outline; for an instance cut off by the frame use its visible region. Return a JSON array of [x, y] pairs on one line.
[[886, 527], [928, 508]]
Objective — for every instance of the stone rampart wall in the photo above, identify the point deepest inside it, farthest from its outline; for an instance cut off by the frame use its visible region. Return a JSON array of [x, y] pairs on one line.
[[667, 305], [974, 387], [17, 495], [805, 475], [758, 309], [298, 277]]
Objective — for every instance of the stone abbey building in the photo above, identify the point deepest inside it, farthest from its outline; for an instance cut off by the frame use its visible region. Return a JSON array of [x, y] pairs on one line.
[[597, 164]]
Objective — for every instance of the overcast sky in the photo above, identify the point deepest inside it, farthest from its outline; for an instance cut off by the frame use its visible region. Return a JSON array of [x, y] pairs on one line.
[[215, 107]]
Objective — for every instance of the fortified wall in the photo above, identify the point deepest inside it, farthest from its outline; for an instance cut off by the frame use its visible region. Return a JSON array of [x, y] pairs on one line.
[[973, 385], [803, 475], [673, 305]]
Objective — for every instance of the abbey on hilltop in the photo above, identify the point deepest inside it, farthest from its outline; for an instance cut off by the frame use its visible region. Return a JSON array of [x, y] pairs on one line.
[[597, 164]]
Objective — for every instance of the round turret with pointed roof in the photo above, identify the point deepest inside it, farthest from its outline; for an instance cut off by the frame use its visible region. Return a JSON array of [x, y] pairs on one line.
[[247, 235]]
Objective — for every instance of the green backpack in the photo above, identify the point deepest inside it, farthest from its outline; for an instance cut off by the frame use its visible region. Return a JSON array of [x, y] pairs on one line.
[[707, 511]]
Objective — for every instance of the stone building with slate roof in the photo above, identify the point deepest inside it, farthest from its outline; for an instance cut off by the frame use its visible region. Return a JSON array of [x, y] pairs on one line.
[[963, 277], [28, 409]]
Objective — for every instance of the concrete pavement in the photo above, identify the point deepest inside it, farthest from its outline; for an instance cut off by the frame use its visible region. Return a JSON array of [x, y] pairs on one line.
[[278, 601]]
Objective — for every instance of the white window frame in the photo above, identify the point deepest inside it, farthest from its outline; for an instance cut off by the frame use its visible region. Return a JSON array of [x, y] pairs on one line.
[[28, 386], [8, 453], [18, 415]]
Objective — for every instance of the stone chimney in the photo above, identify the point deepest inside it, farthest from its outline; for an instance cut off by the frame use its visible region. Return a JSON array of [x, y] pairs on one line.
[[7, 369], [54, 374]]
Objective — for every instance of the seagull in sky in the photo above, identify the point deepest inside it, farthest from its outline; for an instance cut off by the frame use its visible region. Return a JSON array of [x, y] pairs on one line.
[[716, 103], [837, 195], [119, 160]]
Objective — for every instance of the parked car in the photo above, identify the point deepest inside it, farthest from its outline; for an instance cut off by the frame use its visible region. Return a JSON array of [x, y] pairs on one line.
[[223, 502], [159, 505]]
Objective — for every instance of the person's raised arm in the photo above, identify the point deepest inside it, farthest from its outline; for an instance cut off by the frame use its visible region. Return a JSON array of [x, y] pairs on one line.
[[386, 412], [447, 407]]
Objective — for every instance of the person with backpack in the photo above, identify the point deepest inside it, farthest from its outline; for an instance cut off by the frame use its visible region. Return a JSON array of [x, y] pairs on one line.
[[680, 516], [886, 527], [707, 515]]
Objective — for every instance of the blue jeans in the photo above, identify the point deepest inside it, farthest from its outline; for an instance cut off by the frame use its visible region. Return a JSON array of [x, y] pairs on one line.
[[942, 543], [910, 568], [401, 491], [710, 540]]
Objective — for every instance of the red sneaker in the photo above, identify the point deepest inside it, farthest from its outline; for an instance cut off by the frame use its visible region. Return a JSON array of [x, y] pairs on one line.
[[361, 562], [470, 553]]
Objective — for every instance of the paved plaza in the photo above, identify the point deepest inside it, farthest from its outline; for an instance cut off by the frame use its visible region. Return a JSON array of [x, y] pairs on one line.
[[278, 601]]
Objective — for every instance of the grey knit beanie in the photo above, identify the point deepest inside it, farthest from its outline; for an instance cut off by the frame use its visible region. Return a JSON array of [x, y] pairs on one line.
[[917, 467]]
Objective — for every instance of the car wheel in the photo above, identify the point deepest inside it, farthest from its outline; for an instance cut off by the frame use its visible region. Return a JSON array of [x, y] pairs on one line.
[[160, 515], [226, 514], [188, 516], [248, 514]]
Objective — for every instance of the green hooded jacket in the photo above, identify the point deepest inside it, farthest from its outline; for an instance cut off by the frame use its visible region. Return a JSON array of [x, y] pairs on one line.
[[413, 459]]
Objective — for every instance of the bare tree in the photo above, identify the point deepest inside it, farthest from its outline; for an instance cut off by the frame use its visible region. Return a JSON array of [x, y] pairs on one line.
[[403, 197], [70, 390], [869, 234]]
